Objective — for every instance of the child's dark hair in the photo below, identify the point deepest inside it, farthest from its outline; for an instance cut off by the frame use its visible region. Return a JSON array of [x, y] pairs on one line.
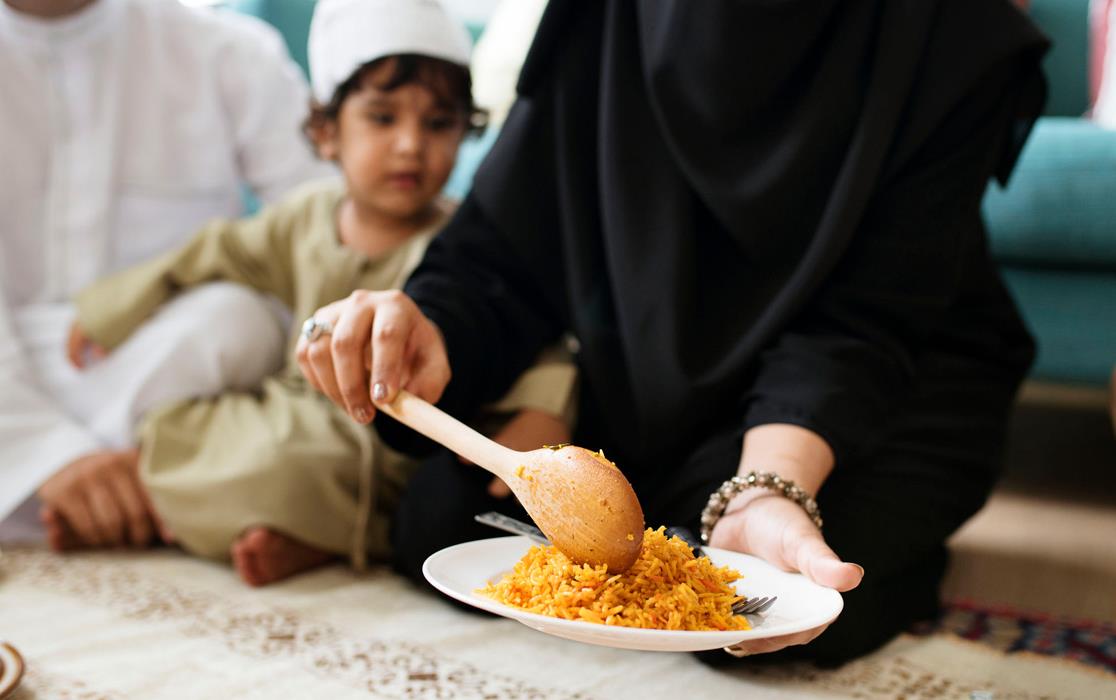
[[451, 84]]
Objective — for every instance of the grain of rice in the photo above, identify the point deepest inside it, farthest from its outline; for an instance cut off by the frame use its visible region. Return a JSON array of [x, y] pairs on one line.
[[667, 588]]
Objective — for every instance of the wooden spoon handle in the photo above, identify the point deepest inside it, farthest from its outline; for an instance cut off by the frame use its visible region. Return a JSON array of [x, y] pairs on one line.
[[443, 428]]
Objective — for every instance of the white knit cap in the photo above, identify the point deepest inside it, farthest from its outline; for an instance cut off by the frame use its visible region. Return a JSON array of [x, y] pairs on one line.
[[346, 34]]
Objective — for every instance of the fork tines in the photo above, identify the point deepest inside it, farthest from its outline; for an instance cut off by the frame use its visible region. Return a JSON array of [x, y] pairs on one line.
[[753, 606]]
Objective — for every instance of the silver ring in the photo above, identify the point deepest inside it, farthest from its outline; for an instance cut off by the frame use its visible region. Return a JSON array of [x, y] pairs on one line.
[[312, 329]]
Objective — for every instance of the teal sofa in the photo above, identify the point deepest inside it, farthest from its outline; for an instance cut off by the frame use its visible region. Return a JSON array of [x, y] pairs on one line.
[[1053, 229]]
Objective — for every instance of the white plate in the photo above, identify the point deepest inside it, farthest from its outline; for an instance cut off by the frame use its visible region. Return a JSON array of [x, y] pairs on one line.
[[11, 669], [460, 570]]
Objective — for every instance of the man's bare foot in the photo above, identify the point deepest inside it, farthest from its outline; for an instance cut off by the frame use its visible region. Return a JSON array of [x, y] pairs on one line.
[[262, 556]]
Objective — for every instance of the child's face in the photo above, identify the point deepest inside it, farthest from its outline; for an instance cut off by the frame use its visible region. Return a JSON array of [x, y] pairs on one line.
[[395, 148]]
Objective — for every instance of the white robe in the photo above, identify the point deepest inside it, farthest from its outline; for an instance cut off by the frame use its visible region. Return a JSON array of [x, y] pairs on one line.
[[123, 128]]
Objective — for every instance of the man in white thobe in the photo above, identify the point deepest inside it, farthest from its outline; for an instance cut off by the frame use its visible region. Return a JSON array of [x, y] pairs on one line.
[[124, 126]]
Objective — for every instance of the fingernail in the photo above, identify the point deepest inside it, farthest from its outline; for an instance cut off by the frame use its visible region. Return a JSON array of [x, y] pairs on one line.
[[861, 568], [379, 391], [361, 415]]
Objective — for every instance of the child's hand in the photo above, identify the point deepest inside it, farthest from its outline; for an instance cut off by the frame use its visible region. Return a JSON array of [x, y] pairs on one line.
[[530, 429], [79, 346]]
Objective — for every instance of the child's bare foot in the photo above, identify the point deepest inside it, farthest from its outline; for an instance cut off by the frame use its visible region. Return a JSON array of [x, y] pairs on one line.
[[262, 556]]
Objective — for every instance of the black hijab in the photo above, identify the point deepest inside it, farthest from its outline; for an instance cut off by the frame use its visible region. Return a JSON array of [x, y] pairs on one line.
[[679, 181]]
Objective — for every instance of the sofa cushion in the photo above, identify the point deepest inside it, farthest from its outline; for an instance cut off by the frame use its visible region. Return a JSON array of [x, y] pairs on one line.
[[1066, 22], [1059, 209], [290, 17], [1073, 320]]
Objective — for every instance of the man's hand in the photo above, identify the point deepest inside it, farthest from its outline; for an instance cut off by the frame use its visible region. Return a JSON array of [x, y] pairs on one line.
[[80, 347], [101, 501]]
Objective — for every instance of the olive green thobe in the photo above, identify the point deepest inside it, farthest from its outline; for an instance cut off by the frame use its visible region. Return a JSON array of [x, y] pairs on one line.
[[283, 456]]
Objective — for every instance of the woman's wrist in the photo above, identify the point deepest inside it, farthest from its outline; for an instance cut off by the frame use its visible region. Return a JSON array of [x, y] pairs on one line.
[[742, 499], [794, 453], [728, 493]]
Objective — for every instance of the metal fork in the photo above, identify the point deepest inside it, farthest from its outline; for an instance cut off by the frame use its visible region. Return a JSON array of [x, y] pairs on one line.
[[749, 606], [510, 524], [753, 606]]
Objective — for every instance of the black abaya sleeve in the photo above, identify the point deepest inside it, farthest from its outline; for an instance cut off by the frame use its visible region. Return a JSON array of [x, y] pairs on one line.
[[489, 305], [846, 360]]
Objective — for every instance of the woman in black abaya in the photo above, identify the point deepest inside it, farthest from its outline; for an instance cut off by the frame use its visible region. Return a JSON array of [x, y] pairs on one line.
[[760, 221]]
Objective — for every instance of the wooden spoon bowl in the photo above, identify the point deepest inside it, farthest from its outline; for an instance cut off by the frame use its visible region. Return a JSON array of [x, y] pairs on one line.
[[579, 499], [582, 503]]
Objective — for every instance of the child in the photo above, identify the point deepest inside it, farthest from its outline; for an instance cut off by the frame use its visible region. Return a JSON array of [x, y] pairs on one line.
[[280, 480]]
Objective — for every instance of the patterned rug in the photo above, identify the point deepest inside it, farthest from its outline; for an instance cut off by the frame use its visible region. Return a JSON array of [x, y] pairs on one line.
[[1087, 642], [117, 625]]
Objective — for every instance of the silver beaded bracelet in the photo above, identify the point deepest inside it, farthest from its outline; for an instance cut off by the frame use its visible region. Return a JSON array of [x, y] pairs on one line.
[[720, 498]]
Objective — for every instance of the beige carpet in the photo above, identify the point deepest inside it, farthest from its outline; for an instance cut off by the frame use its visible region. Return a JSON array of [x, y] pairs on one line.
[[1038, 554], [157, 625], [1046, 541]]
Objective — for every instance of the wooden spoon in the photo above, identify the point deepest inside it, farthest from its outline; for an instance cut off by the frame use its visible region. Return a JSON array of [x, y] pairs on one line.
[[577, 497]]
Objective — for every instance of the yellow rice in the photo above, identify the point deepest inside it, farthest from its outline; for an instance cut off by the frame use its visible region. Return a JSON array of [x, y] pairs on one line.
[[667, 588]]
